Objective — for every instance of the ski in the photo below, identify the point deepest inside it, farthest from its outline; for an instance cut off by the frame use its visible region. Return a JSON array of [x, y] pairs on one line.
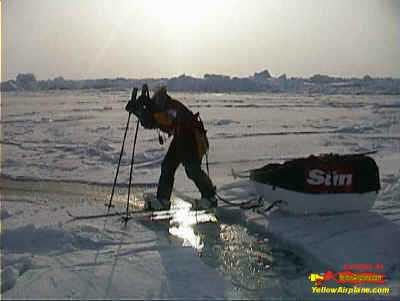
[[153, 215], [94, 216]]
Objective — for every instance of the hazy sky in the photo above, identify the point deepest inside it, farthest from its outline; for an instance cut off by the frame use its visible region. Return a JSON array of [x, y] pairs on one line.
[[156, 38]]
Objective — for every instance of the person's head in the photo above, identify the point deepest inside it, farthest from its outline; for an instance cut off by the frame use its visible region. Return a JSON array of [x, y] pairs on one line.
[[160, 98]]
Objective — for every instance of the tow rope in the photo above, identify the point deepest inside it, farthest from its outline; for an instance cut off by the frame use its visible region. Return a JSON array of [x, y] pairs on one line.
[[246, 204]]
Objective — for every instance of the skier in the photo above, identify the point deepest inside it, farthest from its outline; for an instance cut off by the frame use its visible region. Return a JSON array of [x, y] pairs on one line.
[[188, 146]]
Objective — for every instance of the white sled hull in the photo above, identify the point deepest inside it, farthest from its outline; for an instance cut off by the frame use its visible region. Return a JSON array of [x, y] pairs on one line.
[[307, 203]]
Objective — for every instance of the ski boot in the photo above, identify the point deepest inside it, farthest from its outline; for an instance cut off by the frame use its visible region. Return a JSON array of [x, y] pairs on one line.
[[206, 203], [152, 203]]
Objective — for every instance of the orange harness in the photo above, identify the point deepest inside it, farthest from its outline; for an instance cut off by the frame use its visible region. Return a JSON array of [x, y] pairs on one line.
[[167, 123], [164, 122]]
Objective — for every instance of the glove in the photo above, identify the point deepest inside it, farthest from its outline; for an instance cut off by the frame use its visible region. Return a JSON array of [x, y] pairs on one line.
[[131, 106]]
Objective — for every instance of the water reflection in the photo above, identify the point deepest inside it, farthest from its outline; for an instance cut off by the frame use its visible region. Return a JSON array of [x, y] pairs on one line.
[[254, 264], [183, 221]]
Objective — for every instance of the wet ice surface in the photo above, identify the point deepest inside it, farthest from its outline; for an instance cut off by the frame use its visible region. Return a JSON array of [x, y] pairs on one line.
[[76, 136], [46, 255]]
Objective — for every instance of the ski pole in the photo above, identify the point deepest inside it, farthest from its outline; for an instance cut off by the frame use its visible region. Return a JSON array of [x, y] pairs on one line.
[[133, 97], [119, 164], [130, 173]]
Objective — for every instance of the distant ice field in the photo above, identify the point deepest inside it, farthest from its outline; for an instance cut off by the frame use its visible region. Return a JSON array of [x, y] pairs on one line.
[[76, 135]]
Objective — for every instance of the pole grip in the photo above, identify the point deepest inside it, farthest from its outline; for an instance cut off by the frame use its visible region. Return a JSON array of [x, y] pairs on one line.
[[134, 94]]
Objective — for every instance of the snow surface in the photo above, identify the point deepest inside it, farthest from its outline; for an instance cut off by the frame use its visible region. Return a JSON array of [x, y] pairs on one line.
[[45, 256], [53, 142]]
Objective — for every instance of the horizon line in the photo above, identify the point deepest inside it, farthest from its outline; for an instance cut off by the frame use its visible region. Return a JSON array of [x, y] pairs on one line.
[[212, 74]]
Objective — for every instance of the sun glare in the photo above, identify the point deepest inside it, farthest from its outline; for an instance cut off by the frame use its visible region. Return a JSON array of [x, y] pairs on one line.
[[182, 13]]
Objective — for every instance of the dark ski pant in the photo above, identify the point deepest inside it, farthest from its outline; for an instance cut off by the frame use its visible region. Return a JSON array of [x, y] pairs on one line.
[[192, 165]]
